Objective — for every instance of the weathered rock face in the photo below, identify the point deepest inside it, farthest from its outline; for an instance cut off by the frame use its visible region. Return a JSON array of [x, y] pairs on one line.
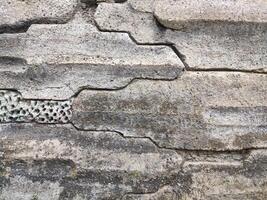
[[133, 100], [84, 58], [210, 35], [87, 164], [216, 111]]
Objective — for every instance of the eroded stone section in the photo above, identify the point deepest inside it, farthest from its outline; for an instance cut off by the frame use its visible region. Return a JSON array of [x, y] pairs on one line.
[[180, 14], [37, 160], [13, 108], [18, 13], [222, 181], [62, 81], [234, 46], [218, 180], [89, 165], [83, 59], [87, 45], [210, 111], [166, 192]]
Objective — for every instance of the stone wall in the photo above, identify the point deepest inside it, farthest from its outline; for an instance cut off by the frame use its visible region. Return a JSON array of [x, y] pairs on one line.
[[133, 100]]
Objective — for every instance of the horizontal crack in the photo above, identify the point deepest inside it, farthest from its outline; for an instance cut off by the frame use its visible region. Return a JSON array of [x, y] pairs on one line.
[[124, 86], [241, 151], [189, 69]]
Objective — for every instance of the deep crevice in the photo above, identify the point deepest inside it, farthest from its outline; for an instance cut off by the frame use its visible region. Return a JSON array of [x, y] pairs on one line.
[[189, 69]]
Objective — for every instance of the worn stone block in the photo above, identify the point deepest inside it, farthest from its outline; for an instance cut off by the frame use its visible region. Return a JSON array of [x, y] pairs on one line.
[[237, 46], [133, 100], [84, 58], [89, 165], [208, 111]]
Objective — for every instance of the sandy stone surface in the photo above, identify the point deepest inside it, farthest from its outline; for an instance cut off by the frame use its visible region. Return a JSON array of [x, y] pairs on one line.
[[205, 44], [133, 100]]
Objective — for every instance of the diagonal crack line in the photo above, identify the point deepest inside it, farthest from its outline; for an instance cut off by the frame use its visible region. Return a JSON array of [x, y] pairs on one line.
[[241, 151], [125, 85], [170, 45], [181, 56]]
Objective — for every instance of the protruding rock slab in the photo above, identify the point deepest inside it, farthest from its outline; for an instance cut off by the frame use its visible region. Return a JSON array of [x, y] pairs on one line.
[[17, 13], [91, 165], [34, 65], [208, 111], [233, 46], [178, 14]]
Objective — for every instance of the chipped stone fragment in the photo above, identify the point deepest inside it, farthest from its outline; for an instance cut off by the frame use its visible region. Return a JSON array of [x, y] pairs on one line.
[[208, 111], [232, 46], [17, 13], [15, 109]]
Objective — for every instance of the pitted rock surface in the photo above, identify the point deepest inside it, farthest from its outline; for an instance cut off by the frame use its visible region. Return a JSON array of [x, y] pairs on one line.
[[133, 100], [15, 109]]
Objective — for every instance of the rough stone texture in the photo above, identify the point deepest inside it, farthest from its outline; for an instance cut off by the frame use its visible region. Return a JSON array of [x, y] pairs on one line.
[[59, 162], [84, 58], [205, 110], [18, 13], [205, 45], [133, 100], [89, 165], [179, 14]]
